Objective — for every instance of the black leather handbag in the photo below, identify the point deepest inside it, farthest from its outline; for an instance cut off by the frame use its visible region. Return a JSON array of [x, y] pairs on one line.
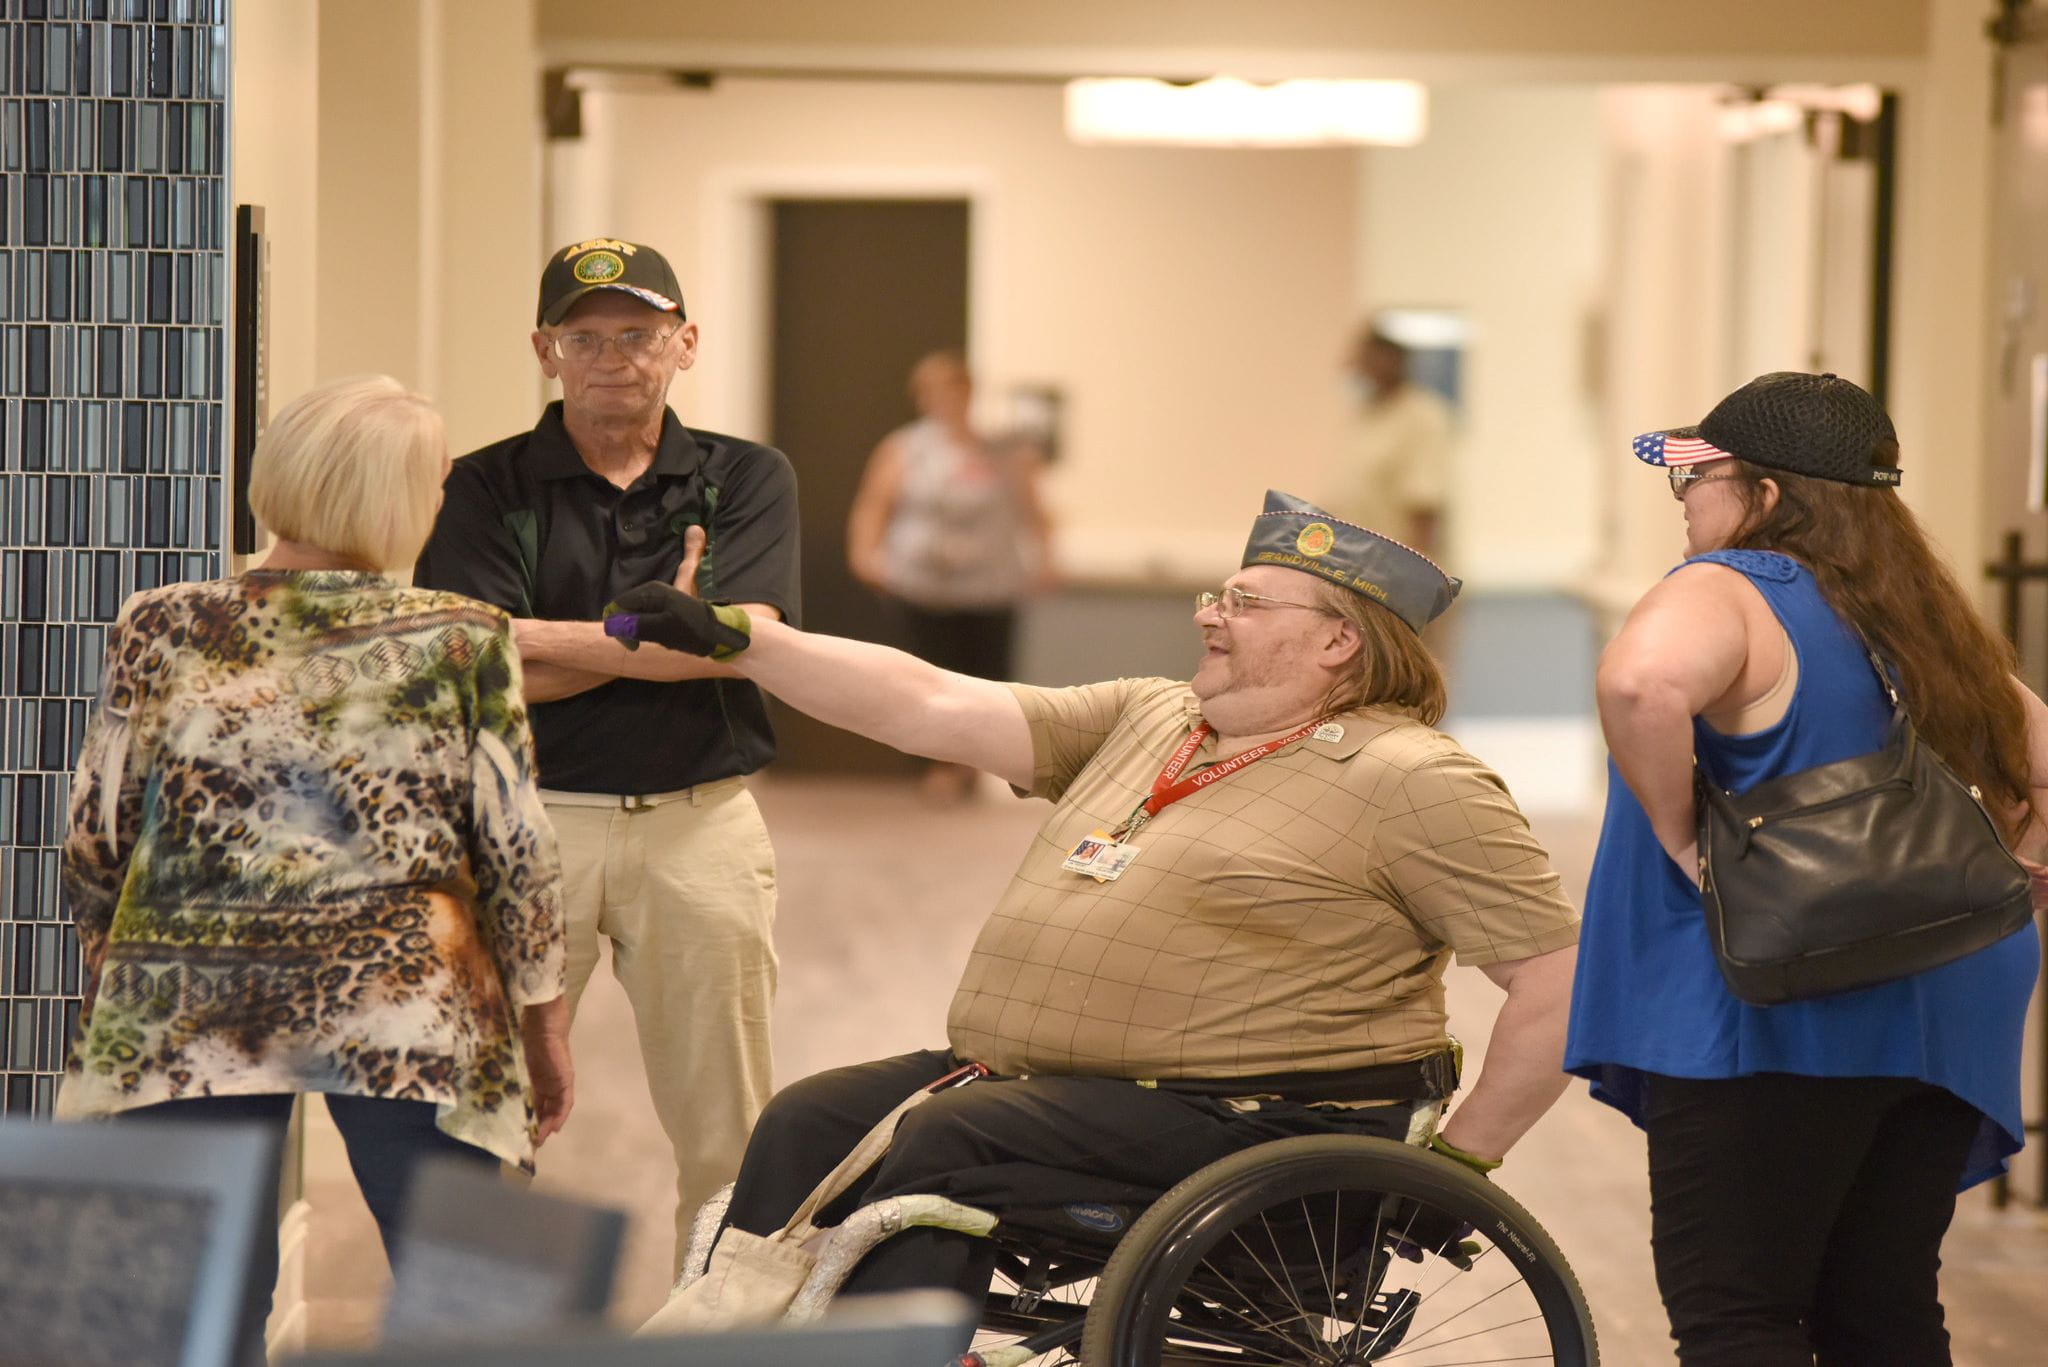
[[1853, 873]]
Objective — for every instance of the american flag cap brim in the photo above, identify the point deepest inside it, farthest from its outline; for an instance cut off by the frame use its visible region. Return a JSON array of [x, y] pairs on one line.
[[1677, 448]]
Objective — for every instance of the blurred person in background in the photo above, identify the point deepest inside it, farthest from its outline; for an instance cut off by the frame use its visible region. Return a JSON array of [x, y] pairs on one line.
[[1804, 1157], [306, 852], [950, 524], [1397, 461]]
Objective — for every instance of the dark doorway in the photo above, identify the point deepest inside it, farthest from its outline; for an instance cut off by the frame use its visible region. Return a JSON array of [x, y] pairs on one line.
[[860, 290]]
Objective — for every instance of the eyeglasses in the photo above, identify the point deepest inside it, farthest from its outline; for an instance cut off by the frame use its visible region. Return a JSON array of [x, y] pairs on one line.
[[634, 344], [1684, 478], [1230, 602]]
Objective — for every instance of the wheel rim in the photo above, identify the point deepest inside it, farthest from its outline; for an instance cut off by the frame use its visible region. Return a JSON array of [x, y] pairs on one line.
[[1292, 1271]]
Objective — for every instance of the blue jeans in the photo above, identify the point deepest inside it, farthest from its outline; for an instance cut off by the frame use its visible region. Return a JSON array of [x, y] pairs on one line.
[[385, 1140]]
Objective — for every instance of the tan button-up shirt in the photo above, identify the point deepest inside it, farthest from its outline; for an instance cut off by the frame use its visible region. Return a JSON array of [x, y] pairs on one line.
[[1295, 916]]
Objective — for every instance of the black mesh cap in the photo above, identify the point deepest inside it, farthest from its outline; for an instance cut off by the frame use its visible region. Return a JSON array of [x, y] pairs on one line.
[[1818, 425]]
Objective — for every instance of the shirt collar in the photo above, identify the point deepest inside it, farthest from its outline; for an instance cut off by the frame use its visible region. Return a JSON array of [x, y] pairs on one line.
[[1359, 725], [554, 456]]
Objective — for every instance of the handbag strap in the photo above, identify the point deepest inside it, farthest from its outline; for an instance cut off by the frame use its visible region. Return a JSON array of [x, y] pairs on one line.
[[1705, 785], [865, 1155]]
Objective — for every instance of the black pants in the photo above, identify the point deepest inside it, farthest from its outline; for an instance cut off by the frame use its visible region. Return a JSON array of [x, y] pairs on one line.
[[980, 642], [385, 1140], [990, 1143], [1798, 1220]]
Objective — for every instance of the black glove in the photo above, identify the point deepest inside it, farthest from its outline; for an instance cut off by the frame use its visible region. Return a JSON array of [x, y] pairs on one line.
[[668, 617]]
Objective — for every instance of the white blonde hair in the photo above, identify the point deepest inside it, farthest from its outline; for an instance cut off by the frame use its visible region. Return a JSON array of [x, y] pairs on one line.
[[353, 467]]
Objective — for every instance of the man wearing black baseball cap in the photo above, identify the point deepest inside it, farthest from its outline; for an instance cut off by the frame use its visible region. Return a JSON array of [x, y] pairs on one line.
[[641, 756]]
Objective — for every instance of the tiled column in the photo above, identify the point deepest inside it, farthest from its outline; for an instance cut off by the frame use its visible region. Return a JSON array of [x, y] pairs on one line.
[[113, 286]]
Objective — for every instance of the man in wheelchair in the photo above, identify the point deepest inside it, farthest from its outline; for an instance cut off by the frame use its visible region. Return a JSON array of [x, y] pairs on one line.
[[1231, 928]]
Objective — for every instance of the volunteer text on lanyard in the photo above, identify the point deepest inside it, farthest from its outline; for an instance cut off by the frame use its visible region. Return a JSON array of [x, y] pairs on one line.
[[1104, 855]]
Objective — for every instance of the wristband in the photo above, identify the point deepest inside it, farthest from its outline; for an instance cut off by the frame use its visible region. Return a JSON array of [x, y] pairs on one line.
[[1441, 1145], [734, 619], [624, 627]]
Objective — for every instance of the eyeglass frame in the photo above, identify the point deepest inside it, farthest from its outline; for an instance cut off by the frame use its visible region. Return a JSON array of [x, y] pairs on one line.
[[1218, 599], [1685, 478], [604, 340]]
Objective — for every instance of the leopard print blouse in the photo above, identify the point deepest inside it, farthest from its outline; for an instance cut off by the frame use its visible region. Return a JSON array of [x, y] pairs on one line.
[[306, 854]]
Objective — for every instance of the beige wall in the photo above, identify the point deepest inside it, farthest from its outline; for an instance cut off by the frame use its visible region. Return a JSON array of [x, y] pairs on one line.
[[274, 108], [1498, 214], [1031, 36], [1191, 304], [395, 148], [400, 168]]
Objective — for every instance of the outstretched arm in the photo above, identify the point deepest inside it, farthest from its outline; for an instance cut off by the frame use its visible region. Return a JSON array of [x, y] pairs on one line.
[[873, 691], [893, 697]]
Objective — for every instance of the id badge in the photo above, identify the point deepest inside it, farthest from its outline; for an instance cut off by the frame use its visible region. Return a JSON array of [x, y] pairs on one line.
[[1099, 857]]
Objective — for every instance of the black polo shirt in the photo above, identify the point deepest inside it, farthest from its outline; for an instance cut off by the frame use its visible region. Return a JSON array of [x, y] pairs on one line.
[[526, 525]]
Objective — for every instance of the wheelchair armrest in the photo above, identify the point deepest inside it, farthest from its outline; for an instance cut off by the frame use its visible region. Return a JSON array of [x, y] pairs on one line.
[[846, 1245], [703, 1234]]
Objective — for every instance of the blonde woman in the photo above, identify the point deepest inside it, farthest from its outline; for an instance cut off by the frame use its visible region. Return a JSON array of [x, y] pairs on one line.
[[306, 853]]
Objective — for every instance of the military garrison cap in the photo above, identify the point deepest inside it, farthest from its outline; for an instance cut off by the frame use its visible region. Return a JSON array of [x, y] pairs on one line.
[[1296, 535]]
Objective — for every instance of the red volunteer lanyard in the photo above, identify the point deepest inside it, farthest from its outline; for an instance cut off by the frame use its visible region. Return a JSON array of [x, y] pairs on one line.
[[1170, 787]]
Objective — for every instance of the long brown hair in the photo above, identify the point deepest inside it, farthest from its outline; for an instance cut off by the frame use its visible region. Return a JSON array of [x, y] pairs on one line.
[[1393, 668], [1876, 567]]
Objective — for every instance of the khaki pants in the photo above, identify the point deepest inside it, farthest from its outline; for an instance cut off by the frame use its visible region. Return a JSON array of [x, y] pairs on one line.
[[683, 885]]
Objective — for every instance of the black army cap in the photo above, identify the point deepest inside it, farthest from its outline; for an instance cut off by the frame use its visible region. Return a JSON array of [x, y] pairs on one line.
[[1297, 535], [605, 263]]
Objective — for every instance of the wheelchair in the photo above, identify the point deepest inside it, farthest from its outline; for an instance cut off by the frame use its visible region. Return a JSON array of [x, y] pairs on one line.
[[1336, 1250]]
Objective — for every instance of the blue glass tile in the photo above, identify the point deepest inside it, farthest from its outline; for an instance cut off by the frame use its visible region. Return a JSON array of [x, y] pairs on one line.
[[113, 120], [28, 658], [160, 59], [106, 585], [93, 196], [109, 362], [150, 363], [31, 59], [56, 745], [158, 308], [57, 511], [136, 205], [134, 436], [120, 286], [121, 60], [29, 808], [156, 502], [57, 287], [35, 119], [35, 210]]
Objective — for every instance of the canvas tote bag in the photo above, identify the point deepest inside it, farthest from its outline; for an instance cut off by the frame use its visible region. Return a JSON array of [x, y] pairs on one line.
[[752, 1278]]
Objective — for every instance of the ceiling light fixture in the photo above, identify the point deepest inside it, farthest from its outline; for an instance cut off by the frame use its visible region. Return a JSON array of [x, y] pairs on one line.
[[1227, 112]]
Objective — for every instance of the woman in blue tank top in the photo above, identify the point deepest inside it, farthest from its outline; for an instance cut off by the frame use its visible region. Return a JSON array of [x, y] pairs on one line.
[[1804, 1158]]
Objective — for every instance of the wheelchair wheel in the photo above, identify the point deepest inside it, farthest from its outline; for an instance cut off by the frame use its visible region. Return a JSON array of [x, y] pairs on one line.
[[1339, 1251]]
